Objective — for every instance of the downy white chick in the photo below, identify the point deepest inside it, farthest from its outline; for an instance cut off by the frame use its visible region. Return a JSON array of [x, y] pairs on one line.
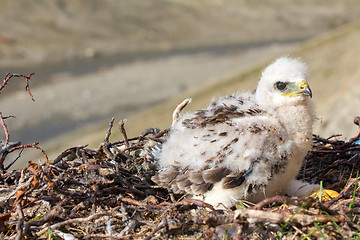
[[247, 146]]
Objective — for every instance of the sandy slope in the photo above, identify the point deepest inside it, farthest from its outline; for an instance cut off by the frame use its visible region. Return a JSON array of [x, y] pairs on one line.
[[37, 32]]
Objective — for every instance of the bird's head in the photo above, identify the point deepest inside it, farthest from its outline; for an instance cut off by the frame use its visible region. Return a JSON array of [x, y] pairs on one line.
[[283, 83]]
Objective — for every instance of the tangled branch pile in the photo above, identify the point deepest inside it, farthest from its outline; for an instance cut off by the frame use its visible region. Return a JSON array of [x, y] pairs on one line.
[[107, 193]]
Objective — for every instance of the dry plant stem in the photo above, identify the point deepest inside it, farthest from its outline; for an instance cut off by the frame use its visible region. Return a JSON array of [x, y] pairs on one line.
[[343, 203], [197, 202], [123, 133], [20, 223], [34, 145], [13, 193], [178, 109], [129, 236], [54, 213], [66, 153], [132, 201], [7, 136], [161, 225], [256, 216], [27, 79], [15, 160], [108, 133], [344, 192], [71, 221], [276, 199]]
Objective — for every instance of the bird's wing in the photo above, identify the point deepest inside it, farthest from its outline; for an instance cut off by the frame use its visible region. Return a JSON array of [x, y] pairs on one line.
[[220, 114], [225, 109], [228, 142], [196, 182]]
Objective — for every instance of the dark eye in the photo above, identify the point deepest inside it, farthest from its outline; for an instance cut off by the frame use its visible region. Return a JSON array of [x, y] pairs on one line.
[[280, 85]]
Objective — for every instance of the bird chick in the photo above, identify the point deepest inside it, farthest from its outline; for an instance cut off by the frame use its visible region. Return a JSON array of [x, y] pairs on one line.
[[247, 146]]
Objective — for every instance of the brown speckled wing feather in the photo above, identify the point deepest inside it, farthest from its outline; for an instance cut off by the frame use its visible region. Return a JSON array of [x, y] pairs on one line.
[[217, 115], [186, 181]]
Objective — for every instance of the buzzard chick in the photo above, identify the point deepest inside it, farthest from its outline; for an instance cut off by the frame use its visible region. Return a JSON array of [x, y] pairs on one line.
[[245, 146]]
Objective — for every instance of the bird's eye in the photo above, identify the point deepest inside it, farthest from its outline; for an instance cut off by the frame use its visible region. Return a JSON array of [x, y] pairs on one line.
[[280, 85]]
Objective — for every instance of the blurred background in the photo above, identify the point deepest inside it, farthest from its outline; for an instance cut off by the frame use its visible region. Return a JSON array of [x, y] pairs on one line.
[[136, 60]]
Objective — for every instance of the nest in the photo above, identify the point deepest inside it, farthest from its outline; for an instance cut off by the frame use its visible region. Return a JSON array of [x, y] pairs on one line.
[[107, 193]]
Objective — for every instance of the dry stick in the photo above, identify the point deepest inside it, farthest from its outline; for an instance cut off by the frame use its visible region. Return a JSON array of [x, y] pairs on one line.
[[66, 153], [70, 221], [20, 223], [106, 144], [27, 79], [161, 225], [123, 133], [277, 199], [15, 160], [54, 213], [197, 202], [13, 193], [34, 145], [340, 204], [178, 109], [7, 136], [129, 236], [132, 201], [343, 193], [108, 133], [254, 216]]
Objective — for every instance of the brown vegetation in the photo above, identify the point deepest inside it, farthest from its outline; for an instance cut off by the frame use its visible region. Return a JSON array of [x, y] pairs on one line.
[[107, 193]]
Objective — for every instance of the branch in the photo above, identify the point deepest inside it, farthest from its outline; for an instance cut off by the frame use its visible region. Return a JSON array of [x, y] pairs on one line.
[[7, 136], [108, 133], [71, 221], [27, 79], [17, 147], [20, 223], [123, 133], [254, 216]]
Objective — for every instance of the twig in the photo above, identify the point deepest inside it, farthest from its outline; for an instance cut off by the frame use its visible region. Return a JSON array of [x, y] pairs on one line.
[[108, 133], [13, 193], [4, 150], [128, 236], [34, 145], [71, 221], [197, 202], [132, 201], [10, 164], [66, 153], [54, 213], [20, 223], [256, 216], [27, 79], [277, 199], [343, 193], [161, 225], [178, 109], [6, 132], [123, 133]]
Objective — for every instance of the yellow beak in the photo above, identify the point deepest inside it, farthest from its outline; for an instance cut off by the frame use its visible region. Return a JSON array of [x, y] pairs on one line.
[[305, 89]]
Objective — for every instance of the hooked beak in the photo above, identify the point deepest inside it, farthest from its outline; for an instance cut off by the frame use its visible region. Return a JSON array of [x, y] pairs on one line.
[[305, 89]]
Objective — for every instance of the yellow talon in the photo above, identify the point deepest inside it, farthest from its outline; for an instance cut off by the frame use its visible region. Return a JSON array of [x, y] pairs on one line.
[[326, 194]]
